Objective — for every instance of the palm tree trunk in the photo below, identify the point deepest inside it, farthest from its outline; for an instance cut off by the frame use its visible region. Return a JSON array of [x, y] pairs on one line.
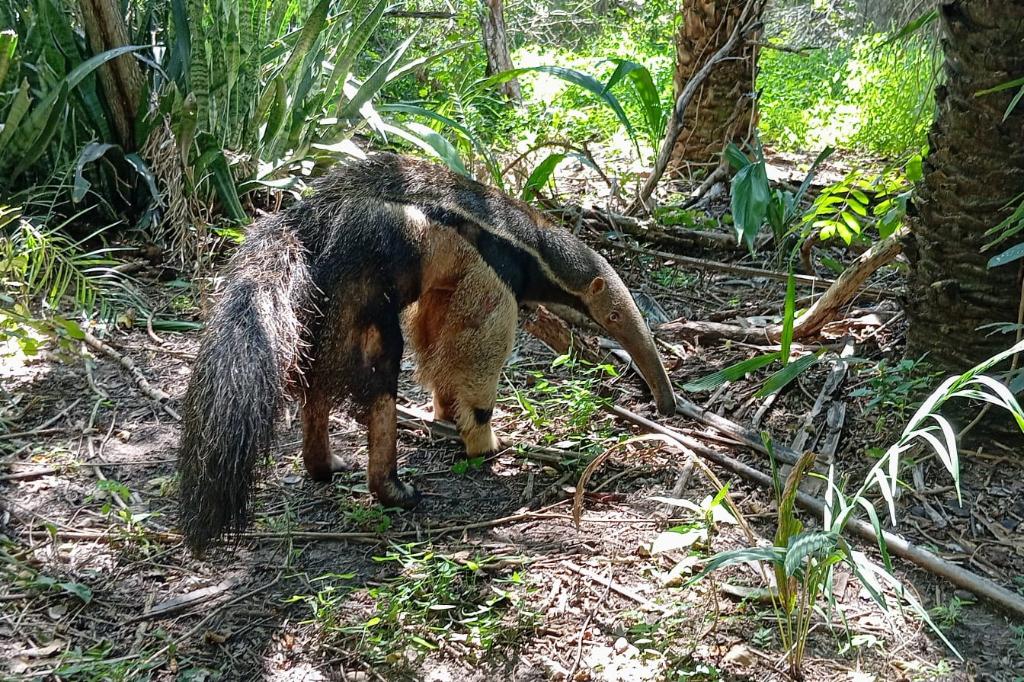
[[975, 166], [724, 108], [121, 78], [496, 46]]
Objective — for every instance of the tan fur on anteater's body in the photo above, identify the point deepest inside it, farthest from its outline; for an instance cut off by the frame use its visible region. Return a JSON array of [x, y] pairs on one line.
[[313, 305]]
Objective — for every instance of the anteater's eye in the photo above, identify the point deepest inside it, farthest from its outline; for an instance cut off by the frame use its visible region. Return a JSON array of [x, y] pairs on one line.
[[614, 317]]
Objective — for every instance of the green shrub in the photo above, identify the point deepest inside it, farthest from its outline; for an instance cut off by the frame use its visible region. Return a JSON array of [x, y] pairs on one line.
[[865, 95]]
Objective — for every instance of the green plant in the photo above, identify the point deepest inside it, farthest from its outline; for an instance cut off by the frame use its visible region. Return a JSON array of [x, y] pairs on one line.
[[433, 599], [1018, 639], [754, 202], [893, 386], [370, 518], [569, 403], [846, 208], [465, 465], [708, 514], [804, 561], [786, 374], [949, 614], [869, 94]]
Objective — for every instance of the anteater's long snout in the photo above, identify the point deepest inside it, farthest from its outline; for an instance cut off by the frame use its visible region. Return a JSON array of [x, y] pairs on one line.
[[638, 342], [610, 304]]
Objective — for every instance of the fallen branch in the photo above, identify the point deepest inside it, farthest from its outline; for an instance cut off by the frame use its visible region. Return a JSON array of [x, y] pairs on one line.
[[748, 22], [550, 329], [140, 379], [43, 428], [845, 288], [649, 231], [611, 585], [711, 331], [741, 270]]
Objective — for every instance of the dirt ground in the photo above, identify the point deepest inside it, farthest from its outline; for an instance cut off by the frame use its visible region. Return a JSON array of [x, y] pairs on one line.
[[488, 579]]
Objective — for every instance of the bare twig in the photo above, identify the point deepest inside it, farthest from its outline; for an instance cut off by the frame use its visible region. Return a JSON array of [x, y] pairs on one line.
[[744, 270], [43, 428], [612, 585], [129, 364]]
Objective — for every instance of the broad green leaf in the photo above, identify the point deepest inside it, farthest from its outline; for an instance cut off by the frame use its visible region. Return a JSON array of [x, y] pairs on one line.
[[374, 82], [646, 91], [466, 133], [772, 555], [1012, 254], [16, 111], [779, 380], [883, 547], [736, 158], [805, 545], [541, 174], [585, 81], [357, 39], [90, 152], [730, 373], [431, 142], [750, 196], [83, 592]]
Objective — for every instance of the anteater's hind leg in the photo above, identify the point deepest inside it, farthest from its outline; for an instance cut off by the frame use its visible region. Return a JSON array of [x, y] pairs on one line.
[[463, 336], [382, 354], [320, 462]]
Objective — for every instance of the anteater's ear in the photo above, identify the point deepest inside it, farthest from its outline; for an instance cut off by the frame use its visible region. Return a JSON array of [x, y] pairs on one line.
[[596, 286]]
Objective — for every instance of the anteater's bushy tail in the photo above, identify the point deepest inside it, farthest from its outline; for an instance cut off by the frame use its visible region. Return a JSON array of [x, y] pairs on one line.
[[248, 352]]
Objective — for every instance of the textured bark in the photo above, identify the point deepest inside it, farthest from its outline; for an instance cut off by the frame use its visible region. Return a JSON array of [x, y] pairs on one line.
[[496, 46], [724, 108], [974, 167], [121, 78]]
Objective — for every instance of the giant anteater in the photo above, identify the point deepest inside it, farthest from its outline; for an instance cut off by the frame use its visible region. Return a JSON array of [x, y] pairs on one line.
[[313, 302]]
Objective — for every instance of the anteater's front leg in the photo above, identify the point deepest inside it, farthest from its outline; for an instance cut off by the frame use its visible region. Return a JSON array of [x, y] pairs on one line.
[[381, 345], [383, 468], [463, 336]]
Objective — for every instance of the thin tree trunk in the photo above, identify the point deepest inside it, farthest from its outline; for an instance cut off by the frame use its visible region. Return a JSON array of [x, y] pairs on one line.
[[121, 78], [974, 168], [724, 108], [496, 46]]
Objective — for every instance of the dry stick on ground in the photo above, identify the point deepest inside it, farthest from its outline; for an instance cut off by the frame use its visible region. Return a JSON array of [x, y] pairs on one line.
[[42, 428], [550, 329], [748, 22], [827, 308], [140, 379], [650, 231]]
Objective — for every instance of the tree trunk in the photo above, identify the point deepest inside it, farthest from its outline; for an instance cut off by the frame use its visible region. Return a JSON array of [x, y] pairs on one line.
[[975, 166], [496, 46], [724, 108], [121, 78]]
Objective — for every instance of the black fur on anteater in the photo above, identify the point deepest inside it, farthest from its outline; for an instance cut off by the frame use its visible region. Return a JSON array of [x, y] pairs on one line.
[[313, 303]]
